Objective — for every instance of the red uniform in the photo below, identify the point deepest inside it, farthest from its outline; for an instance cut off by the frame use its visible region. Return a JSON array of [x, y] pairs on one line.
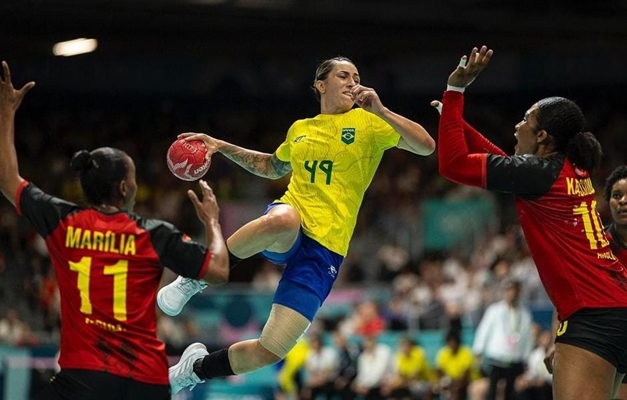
[[557, 210], [108, 268]]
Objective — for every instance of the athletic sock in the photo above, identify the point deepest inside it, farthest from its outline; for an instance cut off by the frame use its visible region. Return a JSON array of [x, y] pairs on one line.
[[198, 369], [233, 259], [214, 365]]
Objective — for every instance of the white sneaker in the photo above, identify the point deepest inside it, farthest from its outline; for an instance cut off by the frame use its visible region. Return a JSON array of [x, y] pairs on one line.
[[182, 374], [171, 298]]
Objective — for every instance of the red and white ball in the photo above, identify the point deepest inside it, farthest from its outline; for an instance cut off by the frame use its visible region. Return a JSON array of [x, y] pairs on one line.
[[188, 160]]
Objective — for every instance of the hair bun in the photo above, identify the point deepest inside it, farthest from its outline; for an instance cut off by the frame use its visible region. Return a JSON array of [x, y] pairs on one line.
[[81, 160]]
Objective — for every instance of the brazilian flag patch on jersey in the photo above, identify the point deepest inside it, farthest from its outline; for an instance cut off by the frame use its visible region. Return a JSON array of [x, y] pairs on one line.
[[348, 135]]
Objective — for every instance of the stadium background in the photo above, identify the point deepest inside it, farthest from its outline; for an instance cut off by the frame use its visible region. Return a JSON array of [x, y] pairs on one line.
[[241, 70]]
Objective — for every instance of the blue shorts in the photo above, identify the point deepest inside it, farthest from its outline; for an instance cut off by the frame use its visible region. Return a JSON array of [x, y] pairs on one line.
[[310, 271]]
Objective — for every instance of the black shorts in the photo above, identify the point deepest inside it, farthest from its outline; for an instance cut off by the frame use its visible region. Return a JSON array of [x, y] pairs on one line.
[[602, 331], [70, 384]]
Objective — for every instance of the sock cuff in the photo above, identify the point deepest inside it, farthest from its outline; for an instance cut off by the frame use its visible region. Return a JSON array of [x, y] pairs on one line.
[[198, 369], [217, 364]]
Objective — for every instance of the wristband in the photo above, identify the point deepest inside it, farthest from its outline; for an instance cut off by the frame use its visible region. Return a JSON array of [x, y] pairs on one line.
[[455, 88]]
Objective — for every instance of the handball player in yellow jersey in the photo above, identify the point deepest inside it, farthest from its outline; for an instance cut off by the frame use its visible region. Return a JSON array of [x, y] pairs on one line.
[[332, 158]]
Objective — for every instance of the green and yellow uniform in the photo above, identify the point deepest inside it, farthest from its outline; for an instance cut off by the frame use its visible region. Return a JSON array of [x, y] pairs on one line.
[[334, 158]]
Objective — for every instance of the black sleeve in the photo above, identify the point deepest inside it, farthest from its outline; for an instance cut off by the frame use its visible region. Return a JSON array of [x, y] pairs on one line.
[[527, 176], [176, 250], [42, 210]]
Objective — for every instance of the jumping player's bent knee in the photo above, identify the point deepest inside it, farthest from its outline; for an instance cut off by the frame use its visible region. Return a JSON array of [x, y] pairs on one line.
[[283, 330], [283, 218]]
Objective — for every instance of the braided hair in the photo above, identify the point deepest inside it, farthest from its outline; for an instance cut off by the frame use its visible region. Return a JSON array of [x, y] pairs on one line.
[[100, 172], [564, 121]]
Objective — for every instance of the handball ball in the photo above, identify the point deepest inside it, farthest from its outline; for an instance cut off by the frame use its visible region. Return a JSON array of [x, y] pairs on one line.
[[188, 160]]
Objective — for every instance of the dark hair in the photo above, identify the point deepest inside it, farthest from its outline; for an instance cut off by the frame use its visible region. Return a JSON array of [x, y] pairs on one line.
[[100, 172], [323, 71], [616, 175], [453, 334], [408, 340], [564, 121]]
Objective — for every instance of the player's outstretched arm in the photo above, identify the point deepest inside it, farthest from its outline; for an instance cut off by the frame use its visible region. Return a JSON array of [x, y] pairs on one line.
[[208, 213], [455, 161], [10, 100], [261, 164], [414, 137]]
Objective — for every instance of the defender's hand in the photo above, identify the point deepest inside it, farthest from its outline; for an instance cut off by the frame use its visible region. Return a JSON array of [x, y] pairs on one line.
[[470, 67], [207, 209], [10, 99]]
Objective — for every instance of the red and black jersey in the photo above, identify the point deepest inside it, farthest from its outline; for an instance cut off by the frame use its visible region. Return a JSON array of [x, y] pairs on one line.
[[617, 247], [557, 210], [108, 268]]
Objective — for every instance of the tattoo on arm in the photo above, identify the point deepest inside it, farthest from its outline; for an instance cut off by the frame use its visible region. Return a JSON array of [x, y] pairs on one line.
[[261, 164], [281, 168]]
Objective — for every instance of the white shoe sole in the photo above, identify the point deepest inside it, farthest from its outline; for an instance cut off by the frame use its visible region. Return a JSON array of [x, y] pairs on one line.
[[161, 303]]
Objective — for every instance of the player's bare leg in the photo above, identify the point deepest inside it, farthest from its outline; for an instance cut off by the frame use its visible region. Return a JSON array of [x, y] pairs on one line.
[[275, 231], [580, 374], [250, 355], [279, 335]]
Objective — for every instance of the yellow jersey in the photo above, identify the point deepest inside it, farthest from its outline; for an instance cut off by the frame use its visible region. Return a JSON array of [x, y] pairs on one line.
[[334, 158], [455, 365], [414, 365]]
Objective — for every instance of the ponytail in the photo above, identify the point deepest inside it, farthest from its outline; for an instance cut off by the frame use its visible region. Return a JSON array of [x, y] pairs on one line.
[[584, 150], [100, 172], [564, 121]]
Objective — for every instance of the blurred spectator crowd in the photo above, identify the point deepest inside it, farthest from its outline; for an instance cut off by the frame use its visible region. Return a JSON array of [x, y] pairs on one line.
[[345, 367]]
